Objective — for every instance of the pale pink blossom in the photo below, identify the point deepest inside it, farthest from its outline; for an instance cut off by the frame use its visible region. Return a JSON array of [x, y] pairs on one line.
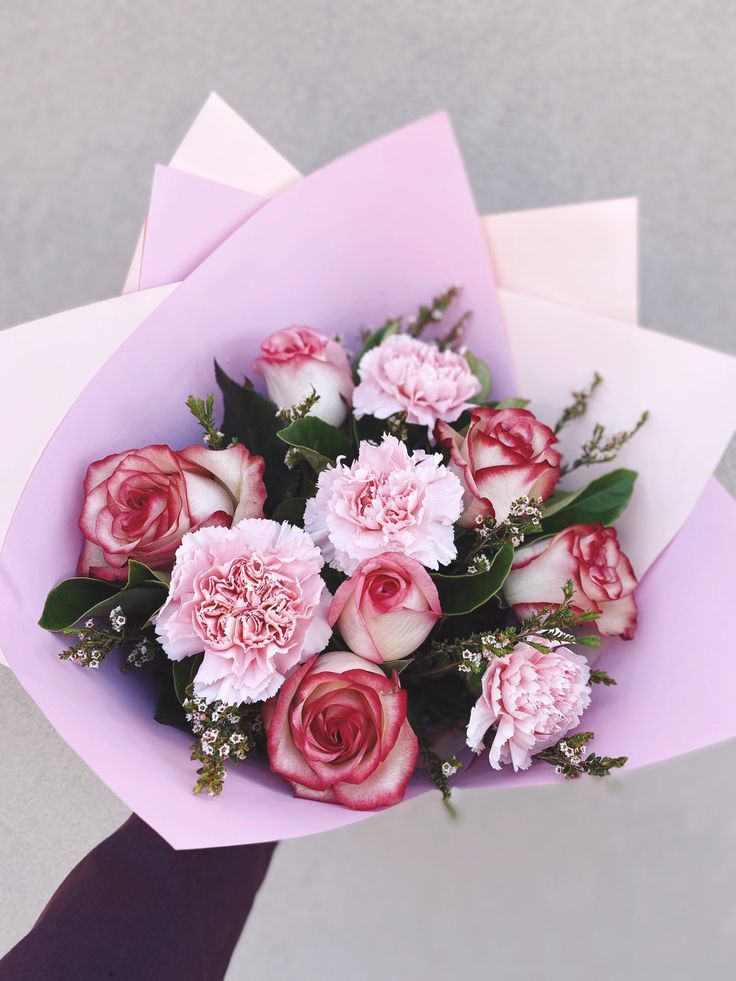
[[385, 501], [338, 732], [387, 609], [252, 599], [139, 504], [505, 454], [298, 359], [602, 577], [404, 374], [533, 698]]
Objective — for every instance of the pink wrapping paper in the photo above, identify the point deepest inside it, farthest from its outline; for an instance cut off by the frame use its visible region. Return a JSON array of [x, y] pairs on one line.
[[317, 252], [565, 300], [223, 147], [146, 764], [180, 202]]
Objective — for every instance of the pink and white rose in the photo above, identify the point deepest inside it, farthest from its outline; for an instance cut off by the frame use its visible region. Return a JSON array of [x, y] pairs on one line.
[[139, 504], [252, 599], [387, 500], [338, 732], [404, 374], [533, 699], [589, 555], [504, 455], [298, 359], [387, 609]]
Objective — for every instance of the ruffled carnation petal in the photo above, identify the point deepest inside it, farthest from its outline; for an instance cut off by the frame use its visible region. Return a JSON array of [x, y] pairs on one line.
[[250, 596], [533, 697], [385, 501], [404, 374]]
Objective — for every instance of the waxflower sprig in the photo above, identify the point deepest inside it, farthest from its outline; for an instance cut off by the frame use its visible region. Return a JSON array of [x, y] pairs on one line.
[[568, 757], [95, 638], [601, 448], [470, 654], [579, 405], [225, 734]]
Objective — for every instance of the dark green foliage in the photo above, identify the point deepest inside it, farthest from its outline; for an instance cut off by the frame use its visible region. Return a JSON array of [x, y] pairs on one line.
[[252, 420], [78, 599], [601, 501], [569, 760], [319, 443], [463, 594]]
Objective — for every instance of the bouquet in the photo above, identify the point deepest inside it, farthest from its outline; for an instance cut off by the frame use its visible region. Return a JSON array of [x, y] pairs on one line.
[[361, 562], [374, 554]]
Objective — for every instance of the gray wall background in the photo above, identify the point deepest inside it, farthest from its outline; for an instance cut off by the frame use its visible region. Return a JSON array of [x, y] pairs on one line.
[[554, 101]]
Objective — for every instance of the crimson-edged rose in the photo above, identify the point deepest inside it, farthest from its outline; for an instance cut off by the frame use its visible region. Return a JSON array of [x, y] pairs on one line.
[[504, 455], [602, 576], [338, 732], [387, 609], [139, 504], [297, 360]]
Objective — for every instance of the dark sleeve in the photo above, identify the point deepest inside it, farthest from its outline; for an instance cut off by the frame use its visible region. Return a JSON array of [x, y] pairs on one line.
[[135, 908]]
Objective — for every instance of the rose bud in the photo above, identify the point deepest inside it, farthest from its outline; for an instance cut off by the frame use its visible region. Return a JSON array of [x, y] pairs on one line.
[[387, 609], [140, 504], [533, 698], [338, 732], [590, 556], [298, 359], [505, 454]]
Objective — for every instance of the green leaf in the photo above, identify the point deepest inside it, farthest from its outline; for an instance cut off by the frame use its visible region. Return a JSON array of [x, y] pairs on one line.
[[139, 603], [392, 326], [291, 509], [398, 665], [481, 372], [511, 403], [252, 420], [169, 712], [82, 598], [463, 594], [68, 602], [602, 500], [183, 673], [140, 575], [318, 441]]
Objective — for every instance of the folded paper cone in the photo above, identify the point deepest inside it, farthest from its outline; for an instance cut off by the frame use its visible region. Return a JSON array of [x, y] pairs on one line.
[[377, 231], [111, 724]]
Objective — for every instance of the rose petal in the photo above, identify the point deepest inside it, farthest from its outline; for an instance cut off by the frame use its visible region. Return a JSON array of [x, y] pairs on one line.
[[388, 782]]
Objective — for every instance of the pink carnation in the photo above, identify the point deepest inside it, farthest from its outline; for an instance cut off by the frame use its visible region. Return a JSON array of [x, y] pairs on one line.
[[385, 501], [407, 375], [533, 698], [252, 599]]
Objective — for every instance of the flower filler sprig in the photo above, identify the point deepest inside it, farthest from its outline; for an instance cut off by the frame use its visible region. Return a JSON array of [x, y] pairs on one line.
[[96, 638], [370, 568]]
